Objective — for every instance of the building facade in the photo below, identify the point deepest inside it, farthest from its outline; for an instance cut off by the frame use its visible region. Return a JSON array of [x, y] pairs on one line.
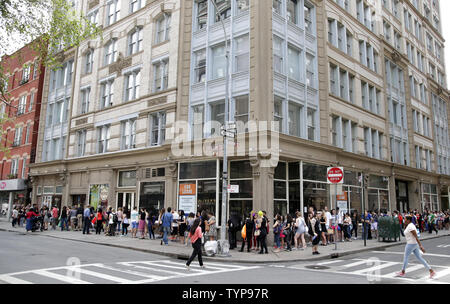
[[359, 84], [20, 108]]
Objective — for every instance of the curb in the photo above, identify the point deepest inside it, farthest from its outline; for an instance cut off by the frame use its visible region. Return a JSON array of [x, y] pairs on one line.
[[222, 259]]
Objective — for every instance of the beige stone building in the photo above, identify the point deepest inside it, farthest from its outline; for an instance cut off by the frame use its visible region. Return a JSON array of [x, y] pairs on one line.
[[358, 84]]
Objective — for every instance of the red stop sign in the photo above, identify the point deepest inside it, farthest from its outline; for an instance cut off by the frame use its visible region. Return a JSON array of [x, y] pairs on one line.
[[335, 175]]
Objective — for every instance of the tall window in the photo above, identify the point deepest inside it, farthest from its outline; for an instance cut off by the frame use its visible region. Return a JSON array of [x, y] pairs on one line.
[[24, 168], [294, 63], [277, 6], [81, 143], [157, 128], [308, 13], [163, 28], [242, 5], [14, 166], [278, 112], [135, 40], [103, 135], [242, 59], [132, 84], [110, 52], [27, 134], [22, 105], [107, 93], [200, 66], [26, 73], [310, 81], [311, 129], [217, 115], [292, 11], [128, 134], [294, 119], [85, 96], [241, 111], [278, 56], [201, 13], [218, 62], [89, 61], [18, 137], [224, 7], [135, 5], [113, 11], [198, 121], [93, 17], [161, 75]]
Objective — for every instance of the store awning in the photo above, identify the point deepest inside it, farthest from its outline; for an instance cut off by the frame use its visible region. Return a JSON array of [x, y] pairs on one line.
[[12, 185]]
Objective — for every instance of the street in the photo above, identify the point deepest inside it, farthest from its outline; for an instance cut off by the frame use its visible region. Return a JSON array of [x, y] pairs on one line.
[[38, 259]]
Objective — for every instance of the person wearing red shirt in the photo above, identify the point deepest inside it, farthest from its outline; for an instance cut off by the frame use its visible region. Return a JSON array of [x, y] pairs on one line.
[[196, 239], [30, 214]]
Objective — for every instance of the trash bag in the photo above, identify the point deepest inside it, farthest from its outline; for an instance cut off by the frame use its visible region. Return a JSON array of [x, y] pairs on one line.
[[211, 248]]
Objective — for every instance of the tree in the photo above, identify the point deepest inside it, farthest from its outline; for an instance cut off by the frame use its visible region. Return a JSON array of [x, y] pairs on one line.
[[51, 27]]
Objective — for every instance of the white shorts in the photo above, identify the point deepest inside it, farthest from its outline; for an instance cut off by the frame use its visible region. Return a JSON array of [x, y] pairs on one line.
[[374, 226]]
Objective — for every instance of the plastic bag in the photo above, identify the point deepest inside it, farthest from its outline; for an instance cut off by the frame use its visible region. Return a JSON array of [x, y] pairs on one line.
[[211, 248]]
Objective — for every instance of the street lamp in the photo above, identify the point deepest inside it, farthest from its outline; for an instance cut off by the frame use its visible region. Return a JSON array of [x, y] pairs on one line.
[[224, 245]]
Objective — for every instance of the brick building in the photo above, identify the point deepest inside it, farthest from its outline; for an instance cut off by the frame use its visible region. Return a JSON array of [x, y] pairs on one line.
[[20, 128]]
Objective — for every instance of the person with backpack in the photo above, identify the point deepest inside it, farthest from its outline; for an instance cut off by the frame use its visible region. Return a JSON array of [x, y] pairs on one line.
[[276, 233]]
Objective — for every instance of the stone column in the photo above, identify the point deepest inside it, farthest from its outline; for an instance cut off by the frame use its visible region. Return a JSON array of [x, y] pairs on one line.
[[392, 194], [171, 190], [64, 179]]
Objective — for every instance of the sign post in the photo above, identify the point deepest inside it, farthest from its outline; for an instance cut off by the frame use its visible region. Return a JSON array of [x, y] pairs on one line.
[[335, 175]]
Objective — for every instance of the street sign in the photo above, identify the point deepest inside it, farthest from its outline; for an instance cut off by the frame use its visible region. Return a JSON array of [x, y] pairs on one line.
[[227, 134], [233, 188], [335, 175]]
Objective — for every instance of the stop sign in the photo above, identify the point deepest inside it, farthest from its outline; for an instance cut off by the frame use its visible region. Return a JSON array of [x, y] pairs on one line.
[[335, 175]]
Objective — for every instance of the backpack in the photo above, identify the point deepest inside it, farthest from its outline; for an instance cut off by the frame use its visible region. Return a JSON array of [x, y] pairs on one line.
[[277, 229], [115, 218]]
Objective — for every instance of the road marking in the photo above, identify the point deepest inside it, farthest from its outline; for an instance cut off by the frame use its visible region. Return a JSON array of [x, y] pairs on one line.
[[132, 272], [360, 262], [443, 273], [60, 277], [425, 254], [374, 268], [13, 280], [101, 275], [408, 270], [328, 262], [131, 264], [443, 246]]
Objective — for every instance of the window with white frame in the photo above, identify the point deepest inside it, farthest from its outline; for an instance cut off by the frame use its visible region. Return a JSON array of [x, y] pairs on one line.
[[103, 136], [112, 11], [241, 112], [310, 124], [135, 41], [24, 168], [26, 73], [308, 14], [22, 105], [81, 142], [161, 75], [294, 119], [132, 84], [163, 28], [35, 69], [241, 54], [217, 110], [292, 11], [278, 54], [201, 11], [224, 7], [242, 6], [200, 65], [27, 134], [89, 61], [30, 107], [92, 16], [219, 61], [310, 70], [198, 121], [157, 128], [128, 134], [278, 112], [135, 5], [277, 6], [294, 63], [110, 52], [14, 166], [107, 93], [85, 97], [18, 136]]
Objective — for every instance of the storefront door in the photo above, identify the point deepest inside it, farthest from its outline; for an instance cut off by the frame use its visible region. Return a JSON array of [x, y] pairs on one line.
[[126, 201], [401, 188]]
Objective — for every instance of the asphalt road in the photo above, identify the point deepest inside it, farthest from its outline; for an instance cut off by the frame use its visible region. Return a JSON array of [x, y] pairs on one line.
[[39, 259]]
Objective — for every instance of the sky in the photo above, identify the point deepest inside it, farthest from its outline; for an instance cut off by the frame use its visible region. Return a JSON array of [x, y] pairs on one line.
[[445, 8]]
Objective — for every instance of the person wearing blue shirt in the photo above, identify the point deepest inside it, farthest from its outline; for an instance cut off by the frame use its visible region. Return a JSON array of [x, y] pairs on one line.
[[87, 219], [167, 220], [366, 219]]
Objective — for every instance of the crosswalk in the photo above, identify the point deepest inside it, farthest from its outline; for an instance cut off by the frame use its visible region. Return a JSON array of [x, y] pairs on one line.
[[375, 269], [136, 272]]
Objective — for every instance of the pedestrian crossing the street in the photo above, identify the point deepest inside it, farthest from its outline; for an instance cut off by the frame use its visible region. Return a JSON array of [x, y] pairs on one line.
[[375, 269], [137, 272]]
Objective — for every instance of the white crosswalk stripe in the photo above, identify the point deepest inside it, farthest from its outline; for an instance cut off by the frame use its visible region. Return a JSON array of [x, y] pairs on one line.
[[380, 269], [136, 272]]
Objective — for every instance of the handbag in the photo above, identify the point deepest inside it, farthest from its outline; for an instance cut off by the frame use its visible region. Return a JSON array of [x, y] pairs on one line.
[[244, 232], [257, 232], [206, 226]]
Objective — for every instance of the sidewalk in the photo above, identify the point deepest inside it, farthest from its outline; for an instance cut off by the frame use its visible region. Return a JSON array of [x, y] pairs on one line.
[[176, 250]]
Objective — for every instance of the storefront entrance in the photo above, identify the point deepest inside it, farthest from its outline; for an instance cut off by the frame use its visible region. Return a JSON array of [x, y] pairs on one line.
[[152, 196], [401, 188], [126, 201]]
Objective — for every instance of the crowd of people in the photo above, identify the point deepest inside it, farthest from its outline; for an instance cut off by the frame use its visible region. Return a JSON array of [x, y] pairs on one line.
[[290, 232]]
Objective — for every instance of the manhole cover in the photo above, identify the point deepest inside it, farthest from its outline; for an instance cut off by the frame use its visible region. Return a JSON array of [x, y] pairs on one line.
[[317, 267]]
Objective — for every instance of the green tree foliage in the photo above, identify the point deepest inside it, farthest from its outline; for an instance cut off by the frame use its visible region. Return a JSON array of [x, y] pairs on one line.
[[50, 27]]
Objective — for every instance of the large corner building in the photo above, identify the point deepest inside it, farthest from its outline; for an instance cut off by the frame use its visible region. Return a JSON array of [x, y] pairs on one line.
[[355, 83]]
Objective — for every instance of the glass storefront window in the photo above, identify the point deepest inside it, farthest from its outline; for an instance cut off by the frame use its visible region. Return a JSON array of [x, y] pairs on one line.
[[49, 190], [152, 196], [280, 171], [373, 200], [206, 196], [294, 171], [127, 179], [355, 199], [240, 169], [316, 195], [314, 172], [351, 178], [245, 189], [294, 197], [279, 190], [59, 189], [280, 207], [241, 208], [384, 201], [380, 182], [198, 170]]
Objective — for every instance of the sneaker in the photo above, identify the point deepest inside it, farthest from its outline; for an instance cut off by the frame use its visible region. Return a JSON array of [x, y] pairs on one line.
[[400, 274], [432, 274], [202, 267], [188, 267], [295, 248]]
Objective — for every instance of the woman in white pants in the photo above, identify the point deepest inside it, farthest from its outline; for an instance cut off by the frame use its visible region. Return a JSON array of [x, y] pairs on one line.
[[412, 246]]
